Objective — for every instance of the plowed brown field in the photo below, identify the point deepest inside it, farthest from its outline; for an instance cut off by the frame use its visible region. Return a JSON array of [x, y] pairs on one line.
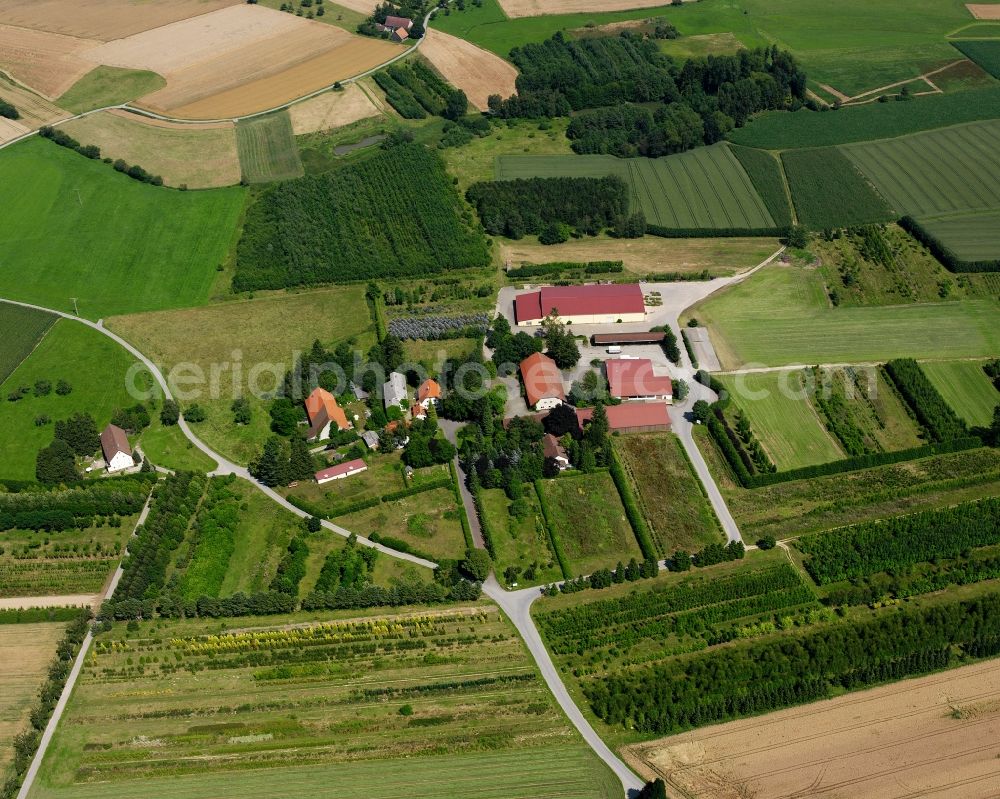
[[477, 72], [47, 62], [102, 19], [331, 110], [932, 736]]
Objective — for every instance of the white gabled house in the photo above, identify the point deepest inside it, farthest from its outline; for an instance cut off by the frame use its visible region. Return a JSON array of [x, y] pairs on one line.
[[117, 452]]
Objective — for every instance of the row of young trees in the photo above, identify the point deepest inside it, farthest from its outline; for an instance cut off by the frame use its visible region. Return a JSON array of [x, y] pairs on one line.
[[930, 408], [92, 151], [75, 507]]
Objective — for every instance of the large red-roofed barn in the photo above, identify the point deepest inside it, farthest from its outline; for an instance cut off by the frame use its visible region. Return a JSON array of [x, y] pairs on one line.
[[633, 379], [635, 417], [599, 304]]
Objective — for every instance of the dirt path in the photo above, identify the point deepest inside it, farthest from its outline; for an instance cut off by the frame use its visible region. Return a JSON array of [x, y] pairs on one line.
[[887, 87]]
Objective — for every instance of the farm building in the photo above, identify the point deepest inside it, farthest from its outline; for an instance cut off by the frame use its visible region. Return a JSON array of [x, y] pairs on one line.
[[117, 452], [600, 304], [418, 411], [394, 391], [631, 418], [324, 412], [633, 379], [606, 339], [341, 471], [399, 35], [551, 448], [429, 393], [543, 383], [370, 437], [393, 23]]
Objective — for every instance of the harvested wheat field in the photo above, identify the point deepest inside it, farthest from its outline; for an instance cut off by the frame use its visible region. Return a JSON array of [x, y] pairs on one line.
[[365, 7], [477, 72], [35, 111], [47, 62], [198, 156], [102, 20], [191, 42], [10, 130], [984, 10], [332, 110], [536, 8], [354, 55], [25, 653], [932, 736]]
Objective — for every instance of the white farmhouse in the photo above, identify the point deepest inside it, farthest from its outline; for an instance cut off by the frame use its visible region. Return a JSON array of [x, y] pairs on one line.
[[117, 452]]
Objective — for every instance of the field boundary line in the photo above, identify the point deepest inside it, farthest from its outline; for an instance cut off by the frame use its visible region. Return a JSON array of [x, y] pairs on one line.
[[744, 177], [40, 339]]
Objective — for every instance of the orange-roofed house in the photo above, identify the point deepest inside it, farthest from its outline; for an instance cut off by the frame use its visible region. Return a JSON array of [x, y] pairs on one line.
[[429, 393], [324, 412], [543, 383], [418, 411]]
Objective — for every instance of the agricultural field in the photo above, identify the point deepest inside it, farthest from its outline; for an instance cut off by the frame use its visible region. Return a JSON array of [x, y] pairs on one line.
[[170, 448], [94, 366], [20, 331], [218, 334], [937, 172], [972, 237], [332, 110], [10, 130], [104, 86], [986, 53], [477, 72], [448, 701], [670, 495], [965, 387], [586, 516], [859, 743], [434, 352], [35, 110], [428, 523], [783, 419], [829, 191], [522, 543], [767, 176], [782, 316], [199, 157], [26, 650], [47, 62], [59, 202], [670, 191], [649, 256], [267, 149]]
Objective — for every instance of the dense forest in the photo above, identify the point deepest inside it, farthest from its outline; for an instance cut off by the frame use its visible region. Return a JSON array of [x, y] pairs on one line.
[[702, 98], [396, 214], [530, 205]]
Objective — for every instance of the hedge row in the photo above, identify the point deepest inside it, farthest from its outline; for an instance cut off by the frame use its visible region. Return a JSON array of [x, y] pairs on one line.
[[35, 615], [711, 232], [942, 252], [553, 538], [466, 529], [371, 596], [399, 545], [484, 524], [557, 267], [635, 517], [690, 350], [927, 404]]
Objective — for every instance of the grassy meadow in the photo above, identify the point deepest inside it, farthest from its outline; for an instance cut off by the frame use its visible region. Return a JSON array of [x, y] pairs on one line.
[[426, 703], [76, 229], [520, 542], [257, 338], [105, 86], [670, 495], [782, 316], [267, 148], [20, 331], [966, 388]]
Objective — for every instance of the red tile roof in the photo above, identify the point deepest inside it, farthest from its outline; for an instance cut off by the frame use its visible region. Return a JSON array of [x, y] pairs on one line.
[[322, 400], [630, 415], [572, 301], [633, 377], [551, 448], [356, 465], [113, 441], [398, 22], [541, 378], [429, 389]]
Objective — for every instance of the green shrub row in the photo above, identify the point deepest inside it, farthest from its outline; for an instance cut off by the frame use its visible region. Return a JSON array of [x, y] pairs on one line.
[[463, 517], [484, 523], [635, 517], [942, 252], [928, 406], [399, 545], [558, 267], [35, 615], [712, 232], [553, 537], [363, 504]]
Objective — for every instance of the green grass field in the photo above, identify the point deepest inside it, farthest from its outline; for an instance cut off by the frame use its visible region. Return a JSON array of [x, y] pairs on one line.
[[972, 237], [765, 172], [76, 229], [20, 331], [587, 516], [853, 46], [170, 448], [986, 53], [267, 149], [965, 387], [521, 543], [96, 368], [671, 498], [783, 419], [829, 192], [777, 130], [703, 188], [316, 709], [937, 172], [105, 86], [782, 316]]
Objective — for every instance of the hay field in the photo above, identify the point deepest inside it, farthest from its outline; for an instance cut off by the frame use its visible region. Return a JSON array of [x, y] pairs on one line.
[[984, 10], [538, 8], [972, 237], [267, 149], [48, 62], [102, 20], [477, 72], [931, 736], [25, 652], [197, 156], [10, 130], [35, 111], [965, 387], [331, 110]]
